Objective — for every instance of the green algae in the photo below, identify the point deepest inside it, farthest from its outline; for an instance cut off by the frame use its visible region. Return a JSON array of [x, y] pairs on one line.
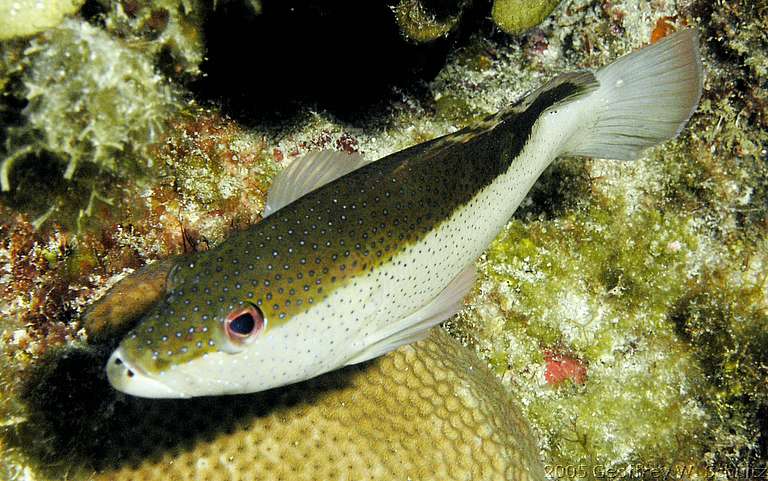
[[517, 16], [638, 271], [739, 47], [600, 253], [22, 18], [425, 21], [597, 283], [420, 23], [90, 99], [725, 323], [93, 106], [654, 284], [724, 171], [670, 325], [83, 97]]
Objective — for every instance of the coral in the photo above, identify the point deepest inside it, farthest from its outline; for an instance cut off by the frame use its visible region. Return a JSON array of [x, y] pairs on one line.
[[725, 322], [722, 171], [217, 178], [216, 181], [169, 31], [89, 96], [517, 16], [47, 278], [424, 23], [50, 273], [739, 51], [90, 99], [647, 274], [596, 284], [21, 18], [426, 411]]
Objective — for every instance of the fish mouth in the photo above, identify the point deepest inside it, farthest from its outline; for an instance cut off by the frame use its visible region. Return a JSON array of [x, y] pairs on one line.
[[126, 376]]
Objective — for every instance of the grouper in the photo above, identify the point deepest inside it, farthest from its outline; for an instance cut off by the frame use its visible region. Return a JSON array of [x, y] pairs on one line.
[[356, 258]]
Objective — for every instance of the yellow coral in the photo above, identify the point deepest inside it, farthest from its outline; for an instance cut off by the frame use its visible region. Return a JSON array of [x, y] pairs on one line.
[[426, 411], [21, 18]]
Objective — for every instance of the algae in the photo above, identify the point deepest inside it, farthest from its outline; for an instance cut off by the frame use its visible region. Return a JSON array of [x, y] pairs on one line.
[[21, 18], [92, 93], [89, 99], [648, 276], [517, 16], [425, 21], [624, 274], [169, 31], [421, 24]]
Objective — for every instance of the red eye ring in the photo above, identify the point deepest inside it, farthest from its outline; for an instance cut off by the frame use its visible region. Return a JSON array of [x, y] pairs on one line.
[[244, 323]]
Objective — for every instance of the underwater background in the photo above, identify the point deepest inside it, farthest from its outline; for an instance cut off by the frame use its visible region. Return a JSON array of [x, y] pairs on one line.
[[624, 309]]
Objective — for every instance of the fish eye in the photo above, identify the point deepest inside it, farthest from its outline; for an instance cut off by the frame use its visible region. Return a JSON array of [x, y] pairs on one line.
[[244, 323]]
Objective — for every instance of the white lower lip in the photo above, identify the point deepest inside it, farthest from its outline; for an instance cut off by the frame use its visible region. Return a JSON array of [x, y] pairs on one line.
[[140, 384]]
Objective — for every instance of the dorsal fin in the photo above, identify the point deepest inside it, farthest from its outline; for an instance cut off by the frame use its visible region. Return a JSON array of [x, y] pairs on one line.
[[558, 91], [309, 173]]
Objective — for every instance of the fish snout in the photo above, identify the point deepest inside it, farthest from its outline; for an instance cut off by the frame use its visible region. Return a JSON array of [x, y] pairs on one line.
[[127, 377]]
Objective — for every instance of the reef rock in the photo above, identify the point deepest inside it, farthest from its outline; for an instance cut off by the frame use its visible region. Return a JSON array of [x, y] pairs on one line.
[[20, 18]]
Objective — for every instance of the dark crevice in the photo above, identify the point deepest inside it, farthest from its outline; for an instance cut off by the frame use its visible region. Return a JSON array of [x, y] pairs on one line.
[[344, 56]]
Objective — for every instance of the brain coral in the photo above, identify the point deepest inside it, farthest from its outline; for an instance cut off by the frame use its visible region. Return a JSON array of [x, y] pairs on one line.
[[426, 411]]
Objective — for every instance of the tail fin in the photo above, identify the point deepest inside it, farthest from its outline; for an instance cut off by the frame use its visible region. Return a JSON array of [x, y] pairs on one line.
[[644, 98]]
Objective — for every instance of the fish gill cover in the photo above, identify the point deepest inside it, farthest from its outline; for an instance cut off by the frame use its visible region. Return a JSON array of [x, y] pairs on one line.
[[625, 305]]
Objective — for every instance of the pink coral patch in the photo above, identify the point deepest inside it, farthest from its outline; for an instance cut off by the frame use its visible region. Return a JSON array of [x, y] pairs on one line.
[[561, 367]]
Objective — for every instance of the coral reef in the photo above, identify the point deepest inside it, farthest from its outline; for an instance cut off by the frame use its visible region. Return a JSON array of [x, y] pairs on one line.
[[596, 286], [625, 304], [648, 276], [167, 30], [93, 97], [739, 47], [219, 181]]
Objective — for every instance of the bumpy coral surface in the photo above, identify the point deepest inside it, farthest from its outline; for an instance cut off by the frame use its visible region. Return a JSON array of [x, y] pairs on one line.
[[426, 411], [646, 277], [357, 423]]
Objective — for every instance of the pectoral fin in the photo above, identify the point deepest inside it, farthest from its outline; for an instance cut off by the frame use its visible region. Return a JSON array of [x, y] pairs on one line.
[[416, 326]]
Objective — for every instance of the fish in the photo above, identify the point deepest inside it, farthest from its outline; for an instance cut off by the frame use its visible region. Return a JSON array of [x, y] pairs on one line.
[[354, 259], [430, 410]]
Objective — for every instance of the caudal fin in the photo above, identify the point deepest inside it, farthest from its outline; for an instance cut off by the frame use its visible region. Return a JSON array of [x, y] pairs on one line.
[[644, 98]]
